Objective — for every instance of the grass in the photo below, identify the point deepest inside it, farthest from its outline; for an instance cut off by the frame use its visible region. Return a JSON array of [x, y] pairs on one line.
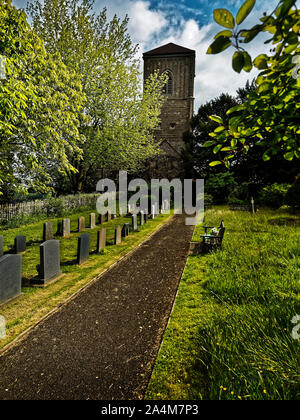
[[229, 336], [35, 303]]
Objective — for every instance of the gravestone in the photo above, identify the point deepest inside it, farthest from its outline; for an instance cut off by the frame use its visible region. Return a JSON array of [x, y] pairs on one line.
[[49, 267], [108, 216], [118, 235], [142, 218], [125, 230], [101, 240], [59, 228], [113, 216], [134, 222], [92, 221], [66, 227], [101, 219], [1, 246], [153, 211], [48, 231], [81, 223], [146, 217], [83, 249], [20, 244], [10, 277]]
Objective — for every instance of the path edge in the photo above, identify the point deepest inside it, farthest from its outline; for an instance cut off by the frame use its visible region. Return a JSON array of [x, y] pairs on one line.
[[60, 306]]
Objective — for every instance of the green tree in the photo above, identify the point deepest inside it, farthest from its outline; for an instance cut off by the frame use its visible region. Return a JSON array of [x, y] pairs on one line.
[[270, 116], [120, 117], [39, 105]]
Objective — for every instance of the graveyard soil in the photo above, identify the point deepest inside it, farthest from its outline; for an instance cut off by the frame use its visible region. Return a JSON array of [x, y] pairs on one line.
[[103, 343]]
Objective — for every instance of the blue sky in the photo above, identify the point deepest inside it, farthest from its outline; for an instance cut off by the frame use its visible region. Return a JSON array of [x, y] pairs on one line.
[[188, 23]]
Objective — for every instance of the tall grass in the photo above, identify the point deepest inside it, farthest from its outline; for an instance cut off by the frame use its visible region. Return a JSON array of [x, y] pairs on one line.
[[229, 336]]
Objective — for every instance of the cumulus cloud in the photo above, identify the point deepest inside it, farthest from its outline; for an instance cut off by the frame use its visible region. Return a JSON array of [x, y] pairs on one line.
[[144, 23]]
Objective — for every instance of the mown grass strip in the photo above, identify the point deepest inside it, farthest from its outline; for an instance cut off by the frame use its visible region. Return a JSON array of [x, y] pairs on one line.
[[35, 303], [229, 335]]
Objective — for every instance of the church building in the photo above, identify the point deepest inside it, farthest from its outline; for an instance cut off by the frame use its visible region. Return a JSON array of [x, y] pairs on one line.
[[179, 64]]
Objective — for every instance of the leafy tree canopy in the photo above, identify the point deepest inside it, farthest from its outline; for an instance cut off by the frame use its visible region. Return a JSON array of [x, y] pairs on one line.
[[270, 116], [120, 116], [40, 101]]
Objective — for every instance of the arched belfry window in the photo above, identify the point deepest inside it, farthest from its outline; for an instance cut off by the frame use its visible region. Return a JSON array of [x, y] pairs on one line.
[[168, 88]]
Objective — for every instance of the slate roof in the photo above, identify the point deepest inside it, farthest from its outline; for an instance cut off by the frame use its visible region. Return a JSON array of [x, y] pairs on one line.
[[169, 49]]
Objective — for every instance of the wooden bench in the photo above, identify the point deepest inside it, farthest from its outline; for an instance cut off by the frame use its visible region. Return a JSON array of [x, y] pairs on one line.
[[211, 242]]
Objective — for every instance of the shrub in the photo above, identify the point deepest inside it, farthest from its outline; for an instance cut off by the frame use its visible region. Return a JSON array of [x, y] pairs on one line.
[[240, 194], [54, 207], [274, 195], [292, 197], [220, 186]]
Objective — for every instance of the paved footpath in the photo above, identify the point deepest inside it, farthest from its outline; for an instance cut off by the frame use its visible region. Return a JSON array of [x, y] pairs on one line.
[[103, 343]]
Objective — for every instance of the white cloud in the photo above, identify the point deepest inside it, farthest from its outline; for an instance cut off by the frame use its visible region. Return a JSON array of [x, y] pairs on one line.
[[144, 23]]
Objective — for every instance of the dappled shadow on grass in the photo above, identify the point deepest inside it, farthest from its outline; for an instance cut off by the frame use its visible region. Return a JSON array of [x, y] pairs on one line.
[[285, 221]]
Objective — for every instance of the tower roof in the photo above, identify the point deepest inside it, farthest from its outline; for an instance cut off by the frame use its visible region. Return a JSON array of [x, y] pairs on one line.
[[169, 49]]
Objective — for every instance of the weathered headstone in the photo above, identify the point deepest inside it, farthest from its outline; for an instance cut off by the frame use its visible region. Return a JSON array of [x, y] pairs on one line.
[[142, 218], [118, 235], [20, 244], [49, 267], [146, 217], [134, 222], [83, 249], [10, 277], [81, 223], [92, 221], [48, 231], [101, 219], [1, 246], [125, 230], [66, 227], [59, 228], [108, 216], [153, 211], [101, 240]]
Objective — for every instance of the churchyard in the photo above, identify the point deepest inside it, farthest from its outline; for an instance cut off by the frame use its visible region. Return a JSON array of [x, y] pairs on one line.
[[77, 249], [230, 332]]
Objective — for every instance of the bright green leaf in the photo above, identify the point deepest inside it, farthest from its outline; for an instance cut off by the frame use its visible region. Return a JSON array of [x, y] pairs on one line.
[[244, 11], [224, 18]]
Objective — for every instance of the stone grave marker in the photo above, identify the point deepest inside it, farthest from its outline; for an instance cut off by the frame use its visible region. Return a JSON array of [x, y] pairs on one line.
[[83, 249], [101, 219], [134, 222], [125, 230], [142, 218], [48, 231], [10, 277], [108, 216], [66, 227], [59, 228], [101, 240], [92, 221], [1, 246], [81, 223], [153, 211], [118, 235], [49, 267], [20, 244], [146, 217]]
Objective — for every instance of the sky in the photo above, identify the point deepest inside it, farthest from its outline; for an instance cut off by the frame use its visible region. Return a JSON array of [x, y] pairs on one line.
[[189, 23]]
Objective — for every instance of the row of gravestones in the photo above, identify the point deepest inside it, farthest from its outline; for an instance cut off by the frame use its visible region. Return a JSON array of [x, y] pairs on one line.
[[49, 268]]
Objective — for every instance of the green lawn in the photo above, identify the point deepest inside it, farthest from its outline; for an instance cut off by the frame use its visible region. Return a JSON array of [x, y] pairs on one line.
[[229, 335], [36, 302]]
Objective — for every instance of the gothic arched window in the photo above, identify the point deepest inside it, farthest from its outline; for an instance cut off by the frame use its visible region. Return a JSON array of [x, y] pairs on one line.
[[168, 88]]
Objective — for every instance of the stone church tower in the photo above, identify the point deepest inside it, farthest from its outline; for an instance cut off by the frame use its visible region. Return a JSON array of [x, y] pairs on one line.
[[179, 64]]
